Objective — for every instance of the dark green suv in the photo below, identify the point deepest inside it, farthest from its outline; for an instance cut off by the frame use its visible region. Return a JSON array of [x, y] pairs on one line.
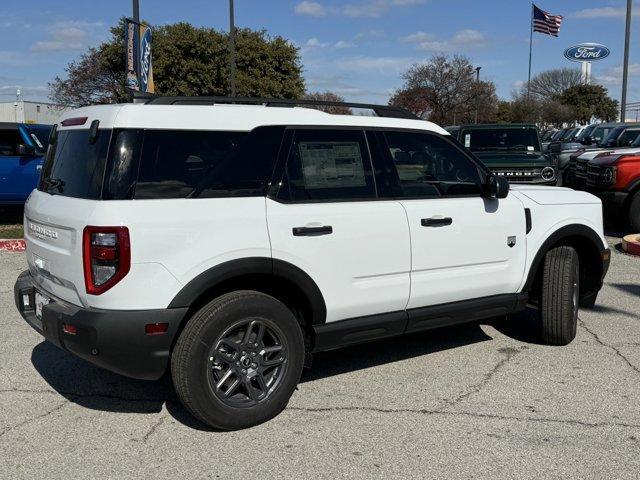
[[509, 150]]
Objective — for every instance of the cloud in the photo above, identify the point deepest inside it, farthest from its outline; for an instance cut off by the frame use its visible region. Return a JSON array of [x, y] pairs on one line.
[[376, 8], [10, 90], [603, 12], [366, 8], [369, 35], [392, 65], [341, 44], [313, 9], [613, 76], [315, 43], [15, 59], [461, 40], [67, 35], [417, 37]]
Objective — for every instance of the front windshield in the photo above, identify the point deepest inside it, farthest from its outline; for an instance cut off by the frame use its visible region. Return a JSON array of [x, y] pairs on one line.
[[548, 136], [586, 132], [600, 134], [508, 139], [613, 135], [39, 135]]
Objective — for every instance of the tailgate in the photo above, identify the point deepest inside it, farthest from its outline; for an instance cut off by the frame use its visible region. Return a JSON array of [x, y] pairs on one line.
[[53, 227]]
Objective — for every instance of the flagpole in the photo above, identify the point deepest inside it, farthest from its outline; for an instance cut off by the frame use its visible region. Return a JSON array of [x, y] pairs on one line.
[[530, 50]]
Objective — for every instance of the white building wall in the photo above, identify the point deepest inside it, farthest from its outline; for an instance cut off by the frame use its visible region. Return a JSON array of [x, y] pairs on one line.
[[31, 112]]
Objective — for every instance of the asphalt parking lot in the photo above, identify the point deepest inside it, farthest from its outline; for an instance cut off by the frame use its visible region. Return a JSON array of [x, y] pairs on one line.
[[479, 401]]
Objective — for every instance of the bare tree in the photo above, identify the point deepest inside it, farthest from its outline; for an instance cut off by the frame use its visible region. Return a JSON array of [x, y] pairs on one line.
[[551, 83], [328, 97], [445, 90]]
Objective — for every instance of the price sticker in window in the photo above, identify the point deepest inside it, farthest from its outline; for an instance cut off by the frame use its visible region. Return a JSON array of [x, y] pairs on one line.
[[467, 140]]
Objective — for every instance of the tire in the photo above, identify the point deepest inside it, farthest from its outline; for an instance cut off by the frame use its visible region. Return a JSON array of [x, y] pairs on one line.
[[238, 360], [560, 296], [633, 214]]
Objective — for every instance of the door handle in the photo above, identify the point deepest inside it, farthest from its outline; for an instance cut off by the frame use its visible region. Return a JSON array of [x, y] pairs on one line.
[[436, 221], [312, 231]]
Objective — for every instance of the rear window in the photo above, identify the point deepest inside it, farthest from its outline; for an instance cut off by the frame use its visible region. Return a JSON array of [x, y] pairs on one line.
[[157, 164], [75, 167]]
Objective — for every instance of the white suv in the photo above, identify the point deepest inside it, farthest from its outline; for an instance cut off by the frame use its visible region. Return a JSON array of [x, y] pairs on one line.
[[228, 242]]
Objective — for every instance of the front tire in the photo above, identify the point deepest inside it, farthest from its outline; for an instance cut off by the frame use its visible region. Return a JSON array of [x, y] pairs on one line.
[[238, 360], [560, 296]]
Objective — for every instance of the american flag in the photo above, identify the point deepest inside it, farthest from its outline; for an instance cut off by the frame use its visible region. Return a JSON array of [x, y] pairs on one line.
[[546, 23]]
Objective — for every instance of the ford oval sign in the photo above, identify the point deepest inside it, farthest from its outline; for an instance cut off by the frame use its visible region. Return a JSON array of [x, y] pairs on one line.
[[586, 52]]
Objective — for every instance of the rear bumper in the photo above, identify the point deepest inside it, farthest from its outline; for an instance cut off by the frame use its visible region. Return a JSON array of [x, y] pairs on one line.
[[111, 339]]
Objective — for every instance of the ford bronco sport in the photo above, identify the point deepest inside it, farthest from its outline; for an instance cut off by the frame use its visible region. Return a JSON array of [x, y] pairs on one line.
[[512, 151], [615, 177], [229, 242]]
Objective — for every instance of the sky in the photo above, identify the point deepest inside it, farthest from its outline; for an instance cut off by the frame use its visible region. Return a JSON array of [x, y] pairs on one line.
[[358, 48]]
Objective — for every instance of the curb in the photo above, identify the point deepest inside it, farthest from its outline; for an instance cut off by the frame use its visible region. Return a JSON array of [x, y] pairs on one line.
[[631, 244], [15, 245]]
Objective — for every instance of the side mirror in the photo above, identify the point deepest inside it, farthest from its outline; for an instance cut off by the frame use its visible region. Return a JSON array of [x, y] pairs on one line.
[[25, 150], [496, 187]]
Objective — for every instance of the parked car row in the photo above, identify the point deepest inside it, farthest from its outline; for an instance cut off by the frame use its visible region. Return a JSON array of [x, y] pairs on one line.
[[606, 162]]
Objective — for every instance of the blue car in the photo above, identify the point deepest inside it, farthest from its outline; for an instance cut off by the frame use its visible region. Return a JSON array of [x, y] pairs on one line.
[[22, 151]]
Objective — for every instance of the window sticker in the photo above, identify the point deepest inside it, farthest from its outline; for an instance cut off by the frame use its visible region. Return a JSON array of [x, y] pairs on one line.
[[467, 140], [332, 164]]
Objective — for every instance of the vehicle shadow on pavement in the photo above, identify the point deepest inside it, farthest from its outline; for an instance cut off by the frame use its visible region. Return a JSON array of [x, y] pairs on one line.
[[367, 355], [94, 388], [523, 326]]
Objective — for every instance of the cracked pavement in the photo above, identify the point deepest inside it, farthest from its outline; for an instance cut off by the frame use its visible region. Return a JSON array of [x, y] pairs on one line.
[[476, 401]]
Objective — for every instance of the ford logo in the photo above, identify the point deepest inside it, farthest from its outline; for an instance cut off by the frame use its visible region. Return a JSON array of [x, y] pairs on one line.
[[145, 59], [586, 52]]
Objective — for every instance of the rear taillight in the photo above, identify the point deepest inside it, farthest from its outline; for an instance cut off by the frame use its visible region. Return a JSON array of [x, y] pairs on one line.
[[106, 253]]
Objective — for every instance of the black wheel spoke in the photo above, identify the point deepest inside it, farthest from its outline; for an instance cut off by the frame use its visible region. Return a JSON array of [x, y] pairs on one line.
[[250, 390], [262, 384], [232, 388], [223, 379]]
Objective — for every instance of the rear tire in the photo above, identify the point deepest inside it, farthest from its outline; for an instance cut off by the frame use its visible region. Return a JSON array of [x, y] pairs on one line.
[[634, 213], [238, 360], [560, 296]]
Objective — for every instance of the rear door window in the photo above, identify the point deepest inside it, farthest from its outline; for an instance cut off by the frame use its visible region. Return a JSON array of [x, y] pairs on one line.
[[328, 165], [75, 167]]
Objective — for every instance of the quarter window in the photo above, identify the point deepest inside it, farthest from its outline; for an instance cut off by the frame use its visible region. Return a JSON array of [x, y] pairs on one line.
[[205, 164], [328, 165]]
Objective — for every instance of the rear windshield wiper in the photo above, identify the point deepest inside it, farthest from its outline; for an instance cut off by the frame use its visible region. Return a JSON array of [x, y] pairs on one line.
[[54, 183]]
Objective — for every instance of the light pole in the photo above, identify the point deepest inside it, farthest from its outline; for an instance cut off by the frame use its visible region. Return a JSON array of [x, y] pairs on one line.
[[232, 50], [625, 66], [477, 91], [136, 11]]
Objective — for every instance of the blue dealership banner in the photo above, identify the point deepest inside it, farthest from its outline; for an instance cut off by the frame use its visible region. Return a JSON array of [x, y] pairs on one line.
[[138, 57]]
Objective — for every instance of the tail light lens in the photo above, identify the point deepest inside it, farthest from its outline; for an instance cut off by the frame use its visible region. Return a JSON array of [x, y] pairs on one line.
[[106, 253]]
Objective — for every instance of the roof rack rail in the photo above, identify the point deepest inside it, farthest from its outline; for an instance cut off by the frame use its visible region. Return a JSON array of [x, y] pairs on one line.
[[380, 110]]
